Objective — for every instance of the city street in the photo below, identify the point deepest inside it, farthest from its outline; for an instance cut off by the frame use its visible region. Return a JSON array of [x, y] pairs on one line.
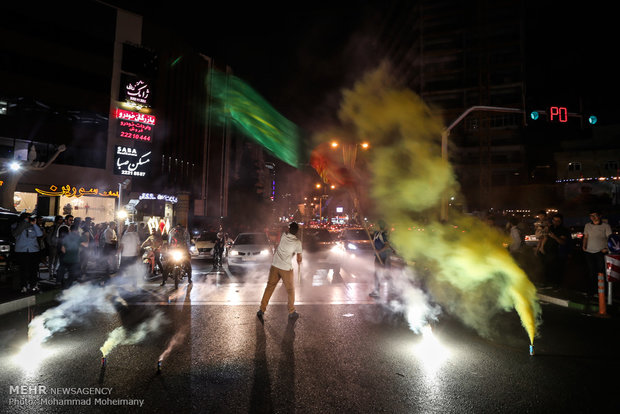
[[346, 353]]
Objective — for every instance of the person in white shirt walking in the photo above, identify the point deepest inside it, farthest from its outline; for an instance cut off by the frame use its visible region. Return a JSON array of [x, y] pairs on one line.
[[595, 236], [282, 268]]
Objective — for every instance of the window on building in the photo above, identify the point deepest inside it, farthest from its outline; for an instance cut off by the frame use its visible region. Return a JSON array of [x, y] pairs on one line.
[[574, 166], [611, 166]]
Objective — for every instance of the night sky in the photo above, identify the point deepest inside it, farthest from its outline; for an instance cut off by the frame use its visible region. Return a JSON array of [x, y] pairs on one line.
[[300, 56]]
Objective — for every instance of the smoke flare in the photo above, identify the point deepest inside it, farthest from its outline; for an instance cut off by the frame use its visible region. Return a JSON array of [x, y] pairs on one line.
[[121, 336], [462, 262], [176, 340]]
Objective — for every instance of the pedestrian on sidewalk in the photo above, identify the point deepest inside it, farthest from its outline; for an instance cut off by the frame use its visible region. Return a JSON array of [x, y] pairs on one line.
[[70, 248], [555, 253], [282, 268], [53, 248], [25, 231], [595, 236], [516, 238]]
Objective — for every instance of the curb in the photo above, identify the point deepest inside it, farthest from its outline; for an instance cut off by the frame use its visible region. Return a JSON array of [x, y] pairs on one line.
[[28, 301], [583, 307]]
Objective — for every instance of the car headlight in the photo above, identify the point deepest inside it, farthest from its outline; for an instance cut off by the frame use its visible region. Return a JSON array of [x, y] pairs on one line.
[[351, 246], [336, 249], [264, 252], [233, 253], [5, 248], [193, 249]]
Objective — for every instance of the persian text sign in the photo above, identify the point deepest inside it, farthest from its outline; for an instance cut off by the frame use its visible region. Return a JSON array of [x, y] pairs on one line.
[[135, 125], [135, 130], [132, 161], [135, 117]]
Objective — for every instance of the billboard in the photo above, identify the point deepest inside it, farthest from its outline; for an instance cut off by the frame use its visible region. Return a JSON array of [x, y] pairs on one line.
[[133, 162]]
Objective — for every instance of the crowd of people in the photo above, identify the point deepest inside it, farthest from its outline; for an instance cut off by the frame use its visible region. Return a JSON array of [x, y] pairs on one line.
[[69, 244], [554, 245]]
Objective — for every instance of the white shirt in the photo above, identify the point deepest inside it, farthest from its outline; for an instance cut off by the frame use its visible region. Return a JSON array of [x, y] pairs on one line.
[[109, 235], [131, 243], [597, 236], [287, 249], [516, 239]]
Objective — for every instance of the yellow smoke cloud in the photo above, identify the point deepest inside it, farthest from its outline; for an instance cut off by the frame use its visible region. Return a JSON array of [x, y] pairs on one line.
[[465, 266]]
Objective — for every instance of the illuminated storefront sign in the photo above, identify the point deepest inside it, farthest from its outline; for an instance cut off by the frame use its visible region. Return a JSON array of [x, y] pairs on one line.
[[135, 117], [160, 197], [137, 92], [132, 161], [69, 191], [135, 125]]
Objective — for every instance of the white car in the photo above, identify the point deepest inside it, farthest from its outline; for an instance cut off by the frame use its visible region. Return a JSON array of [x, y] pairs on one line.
[[203, 245], [250, 249]]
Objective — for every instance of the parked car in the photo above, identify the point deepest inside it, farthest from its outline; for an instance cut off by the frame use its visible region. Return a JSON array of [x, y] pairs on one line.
[[249, 250], [203, 245]]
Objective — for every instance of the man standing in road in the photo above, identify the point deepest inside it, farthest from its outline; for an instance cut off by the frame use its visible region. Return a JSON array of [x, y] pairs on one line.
[[595, 237], [282, 268], [382, 252]]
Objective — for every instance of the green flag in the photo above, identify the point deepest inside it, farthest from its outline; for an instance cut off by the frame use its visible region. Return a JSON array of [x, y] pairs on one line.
[[253, 116]]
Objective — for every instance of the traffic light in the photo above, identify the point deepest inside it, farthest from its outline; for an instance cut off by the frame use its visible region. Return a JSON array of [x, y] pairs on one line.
[[534, 115], [592, 119]]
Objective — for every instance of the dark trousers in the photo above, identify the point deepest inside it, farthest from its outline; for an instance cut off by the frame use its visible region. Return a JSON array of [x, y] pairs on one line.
[[109, 255], [28, 267], [71, 269], [596, 265]]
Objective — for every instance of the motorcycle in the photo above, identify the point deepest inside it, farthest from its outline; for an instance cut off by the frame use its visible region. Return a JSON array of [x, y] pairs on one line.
[[149, 258], [178, 265]]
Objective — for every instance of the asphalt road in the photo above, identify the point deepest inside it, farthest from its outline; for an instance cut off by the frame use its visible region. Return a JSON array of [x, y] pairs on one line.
[[345, 353]]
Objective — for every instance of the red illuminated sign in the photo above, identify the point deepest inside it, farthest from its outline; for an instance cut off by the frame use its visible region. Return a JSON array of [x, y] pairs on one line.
[[135, 130], [558, 113], [135, 116], [134, 125]]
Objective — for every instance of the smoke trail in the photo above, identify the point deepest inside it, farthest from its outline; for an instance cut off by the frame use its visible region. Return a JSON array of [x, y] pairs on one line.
[[76, 304], [121, 335], [254, 117], [176, 340], [463, 263]]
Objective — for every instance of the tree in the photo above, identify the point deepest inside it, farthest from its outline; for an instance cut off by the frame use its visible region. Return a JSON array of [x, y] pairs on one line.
[[11, 178]]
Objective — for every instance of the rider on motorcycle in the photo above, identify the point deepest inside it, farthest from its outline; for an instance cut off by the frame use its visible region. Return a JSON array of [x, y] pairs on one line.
[[178, 238], [155, 241]]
